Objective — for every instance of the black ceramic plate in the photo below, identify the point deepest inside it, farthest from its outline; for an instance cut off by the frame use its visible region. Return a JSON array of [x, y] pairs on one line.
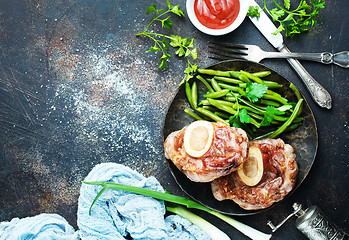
[[304, 140]]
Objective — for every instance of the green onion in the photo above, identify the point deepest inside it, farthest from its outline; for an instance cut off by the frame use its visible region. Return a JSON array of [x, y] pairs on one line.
[[167, 197], [212, 231]]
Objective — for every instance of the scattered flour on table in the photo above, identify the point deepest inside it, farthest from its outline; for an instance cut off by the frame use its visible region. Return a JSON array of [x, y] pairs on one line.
[[108, 93]]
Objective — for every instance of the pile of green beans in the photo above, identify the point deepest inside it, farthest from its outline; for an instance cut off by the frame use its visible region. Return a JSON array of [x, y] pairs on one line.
[[226, 96]]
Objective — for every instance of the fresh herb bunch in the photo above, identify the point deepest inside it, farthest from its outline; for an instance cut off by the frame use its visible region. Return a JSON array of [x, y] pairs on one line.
[[185, 45], [293, 22]]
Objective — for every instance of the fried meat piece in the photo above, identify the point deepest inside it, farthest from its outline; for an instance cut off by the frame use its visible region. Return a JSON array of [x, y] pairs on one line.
[[227, 152], [279, 177]]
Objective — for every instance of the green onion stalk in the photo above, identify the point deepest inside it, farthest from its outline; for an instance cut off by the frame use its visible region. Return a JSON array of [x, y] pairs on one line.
[[175, 205]]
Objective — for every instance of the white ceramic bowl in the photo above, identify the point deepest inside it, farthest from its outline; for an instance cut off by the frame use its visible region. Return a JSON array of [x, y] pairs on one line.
[[217, 32]]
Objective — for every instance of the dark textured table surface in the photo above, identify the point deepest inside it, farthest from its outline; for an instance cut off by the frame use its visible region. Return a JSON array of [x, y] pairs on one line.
[[78, 89]]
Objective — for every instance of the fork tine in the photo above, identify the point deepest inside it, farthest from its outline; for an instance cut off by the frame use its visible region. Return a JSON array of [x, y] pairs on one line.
[[230, 45], [224, 49], [227, 56]]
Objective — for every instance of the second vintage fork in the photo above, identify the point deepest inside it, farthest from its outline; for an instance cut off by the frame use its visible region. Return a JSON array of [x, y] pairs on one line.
[[224, 51]]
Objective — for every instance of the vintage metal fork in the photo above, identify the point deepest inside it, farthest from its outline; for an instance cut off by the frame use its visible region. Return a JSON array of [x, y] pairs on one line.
[[225, 51]]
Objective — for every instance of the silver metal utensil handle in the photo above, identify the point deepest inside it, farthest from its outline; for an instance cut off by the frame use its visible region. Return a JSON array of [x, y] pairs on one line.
[[317, 92]]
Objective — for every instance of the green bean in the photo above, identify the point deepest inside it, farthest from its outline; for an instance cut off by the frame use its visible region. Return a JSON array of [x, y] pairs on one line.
[[217, 72], [203, 102], [288, 129], [222, 115], [230, 98], [271, 84], [208, 86], [232, 88], [298, 119], [298, 95], [222, 106], [266, 135], [281, 129], [259, 117], [244, 78], [217, 94], [295, 90], [254, 78], [275, 98], [261, 74], [194, 94], [215, 85], [269, 102], [275, 94], [292, 127], [226, 96], [258, 108], [210, 115], [213, 72], [234, 74], [266, 102], [210, 108], [256, 115], [228, 80], [227, 103], [193, 115], [229, 110], [188, 93], [252, 108], [226, 86]]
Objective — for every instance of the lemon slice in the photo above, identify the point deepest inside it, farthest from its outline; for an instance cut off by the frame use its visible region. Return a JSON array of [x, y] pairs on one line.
[[251, 171], [198, 138]]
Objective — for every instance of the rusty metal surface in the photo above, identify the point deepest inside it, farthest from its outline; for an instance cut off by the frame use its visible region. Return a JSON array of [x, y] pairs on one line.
[[78, 89]]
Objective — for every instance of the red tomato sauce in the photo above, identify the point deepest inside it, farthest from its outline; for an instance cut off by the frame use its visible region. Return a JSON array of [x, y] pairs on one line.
[[216, 14]]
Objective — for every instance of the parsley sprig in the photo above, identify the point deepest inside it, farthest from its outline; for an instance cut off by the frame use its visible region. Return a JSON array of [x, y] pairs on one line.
[[292, 22], [254, 91], [254, 11], [185, 46]]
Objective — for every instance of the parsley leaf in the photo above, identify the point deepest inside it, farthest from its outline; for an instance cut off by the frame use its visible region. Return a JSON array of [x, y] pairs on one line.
[[254, 91], [253, 11], [287, 4], [273, 111], [266, 121], [244, 117], [270, 114], [151, 8]]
